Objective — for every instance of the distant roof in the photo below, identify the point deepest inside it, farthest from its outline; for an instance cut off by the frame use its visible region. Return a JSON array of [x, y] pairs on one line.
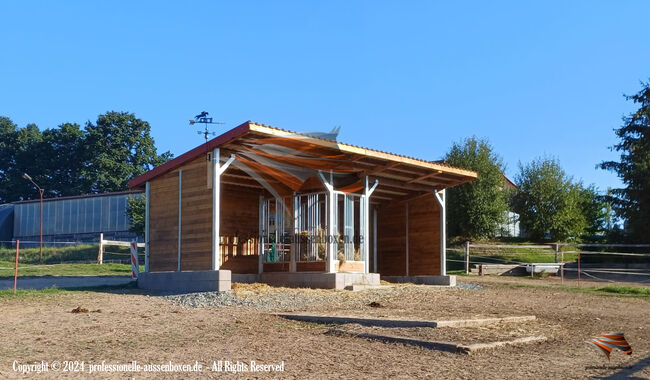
[[132, 191], [509, 182], [401, 171]]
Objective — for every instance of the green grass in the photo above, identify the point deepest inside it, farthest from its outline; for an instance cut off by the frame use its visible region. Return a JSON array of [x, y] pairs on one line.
[[58, 255], [609, 290], [627, 290], [53, 291], [505, 256], [59, 261], [7, 269]]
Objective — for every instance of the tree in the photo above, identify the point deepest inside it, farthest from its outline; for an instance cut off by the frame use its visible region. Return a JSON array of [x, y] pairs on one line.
[[69, 160], [135, 209], [20, 152], [65, 156], [476, 209], [119, 147], [547, 201], [595, 210], [633, 202]]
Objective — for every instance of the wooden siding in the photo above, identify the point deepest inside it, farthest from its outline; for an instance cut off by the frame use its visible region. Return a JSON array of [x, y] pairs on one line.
[[423, 238], [239, 218], [349, 266], [196, 217], [163, 223], [311, 266]]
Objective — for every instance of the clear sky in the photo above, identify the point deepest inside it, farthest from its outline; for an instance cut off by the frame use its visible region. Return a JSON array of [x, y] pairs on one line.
[[535, 78]]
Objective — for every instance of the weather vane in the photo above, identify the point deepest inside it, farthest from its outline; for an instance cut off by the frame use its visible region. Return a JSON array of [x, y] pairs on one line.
[[204, 119]]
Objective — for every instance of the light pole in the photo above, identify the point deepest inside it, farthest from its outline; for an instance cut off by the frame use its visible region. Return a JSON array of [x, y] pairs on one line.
[[41, 191]]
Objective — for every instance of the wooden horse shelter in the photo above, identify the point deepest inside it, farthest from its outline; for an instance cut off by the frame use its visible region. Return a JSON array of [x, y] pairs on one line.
[[262, 204]]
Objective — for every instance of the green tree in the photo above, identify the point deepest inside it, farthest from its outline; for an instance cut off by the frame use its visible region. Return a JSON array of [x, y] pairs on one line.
[[547, 201], [69, 160], [595, 210], [119, 147], [64, 160], [633, 202], [476, 208], [135, 209]]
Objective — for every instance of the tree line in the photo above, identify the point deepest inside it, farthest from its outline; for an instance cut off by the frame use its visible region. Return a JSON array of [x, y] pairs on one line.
[[550, 203], [70, 160]]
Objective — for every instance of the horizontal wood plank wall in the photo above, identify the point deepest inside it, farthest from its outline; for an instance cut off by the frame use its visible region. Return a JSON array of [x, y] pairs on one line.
[[196, 216], [424, 236], [163, 222], [391, 239], [348, 266], [310, 266]]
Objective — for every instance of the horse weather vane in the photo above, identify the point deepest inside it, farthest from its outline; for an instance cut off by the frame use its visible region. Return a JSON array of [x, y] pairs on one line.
[[203, 118]]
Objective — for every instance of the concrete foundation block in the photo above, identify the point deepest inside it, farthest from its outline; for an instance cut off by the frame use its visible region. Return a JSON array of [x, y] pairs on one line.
[[188, 281], [423, 280], [319, 280]]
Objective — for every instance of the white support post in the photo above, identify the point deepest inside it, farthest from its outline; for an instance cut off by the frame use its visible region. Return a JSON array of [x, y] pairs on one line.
[[146, 228], [100, 253], [331, 239], [180, 198], [366, 226], [296, 233], [217, 170], [441, 196]]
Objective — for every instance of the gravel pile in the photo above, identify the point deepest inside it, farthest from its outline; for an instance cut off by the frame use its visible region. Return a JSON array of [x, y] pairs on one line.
[[288, 299]]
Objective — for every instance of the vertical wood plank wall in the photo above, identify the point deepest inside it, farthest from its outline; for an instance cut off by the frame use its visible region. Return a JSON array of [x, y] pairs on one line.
[[239, 217], [163, 222], [423, 238]]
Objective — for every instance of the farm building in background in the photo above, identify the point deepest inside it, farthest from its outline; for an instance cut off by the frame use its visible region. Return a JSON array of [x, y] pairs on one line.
[[77, 218]]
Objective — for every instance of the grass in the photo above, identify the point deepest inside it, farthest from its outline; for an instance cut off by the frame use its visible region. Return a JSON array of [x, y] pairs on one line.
[[627, 290], [61, 254], [53, 291], [609, 290], [7, 269], [504, 256], [60, 261]]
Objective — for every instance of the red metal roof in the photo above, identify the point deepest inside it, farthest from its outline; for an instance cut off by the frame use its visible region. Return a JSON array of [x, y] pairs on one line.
[[242, 129], [190, 155]]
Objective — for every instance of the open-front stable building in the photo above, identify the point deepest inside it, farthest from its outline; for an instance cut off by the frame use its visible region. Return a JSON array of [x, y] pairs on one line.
[[259, 203]]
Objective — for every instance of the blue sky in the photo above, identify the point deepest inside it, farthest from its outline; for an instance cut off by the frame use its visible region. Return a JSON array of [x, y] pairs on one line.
[[535, 78]]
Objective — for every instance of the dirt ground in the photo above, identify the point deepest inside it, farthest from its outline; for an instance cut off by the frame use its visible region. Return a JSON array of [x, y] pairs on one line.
[[151, 330]]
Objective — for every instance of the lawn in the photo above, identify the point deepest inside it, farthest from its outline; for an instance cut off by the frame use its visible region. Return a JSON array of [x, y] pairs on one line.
[[7, 269], [504, 256], [63, 254], [74, 260]]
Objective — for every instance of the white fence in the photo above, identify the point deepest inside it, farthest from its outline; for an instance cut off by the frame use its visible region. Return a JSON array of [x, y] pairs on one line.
[[558, 250]]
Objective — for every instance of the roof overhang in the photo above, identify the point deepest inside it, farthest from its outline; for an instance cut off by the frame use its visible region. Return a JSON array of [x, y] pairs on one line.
[[399, 176]]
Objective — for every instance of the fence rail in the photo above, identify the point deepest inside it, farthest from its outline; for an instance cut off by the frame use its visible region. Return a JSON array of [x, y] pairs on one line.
[[553, 248]]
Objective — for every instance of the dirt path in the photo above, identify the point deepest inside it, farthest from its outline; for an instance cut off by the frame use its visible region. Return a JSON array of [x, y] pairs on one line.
[[153, 330]]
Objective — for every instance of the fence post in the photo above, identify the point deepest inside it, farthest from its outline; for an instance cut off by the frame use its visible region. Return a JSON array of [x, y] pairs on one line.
[[562, 268], [467, 257], [100, 254], [557, 249], [578, 268], [135, 269], [16, 265]]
